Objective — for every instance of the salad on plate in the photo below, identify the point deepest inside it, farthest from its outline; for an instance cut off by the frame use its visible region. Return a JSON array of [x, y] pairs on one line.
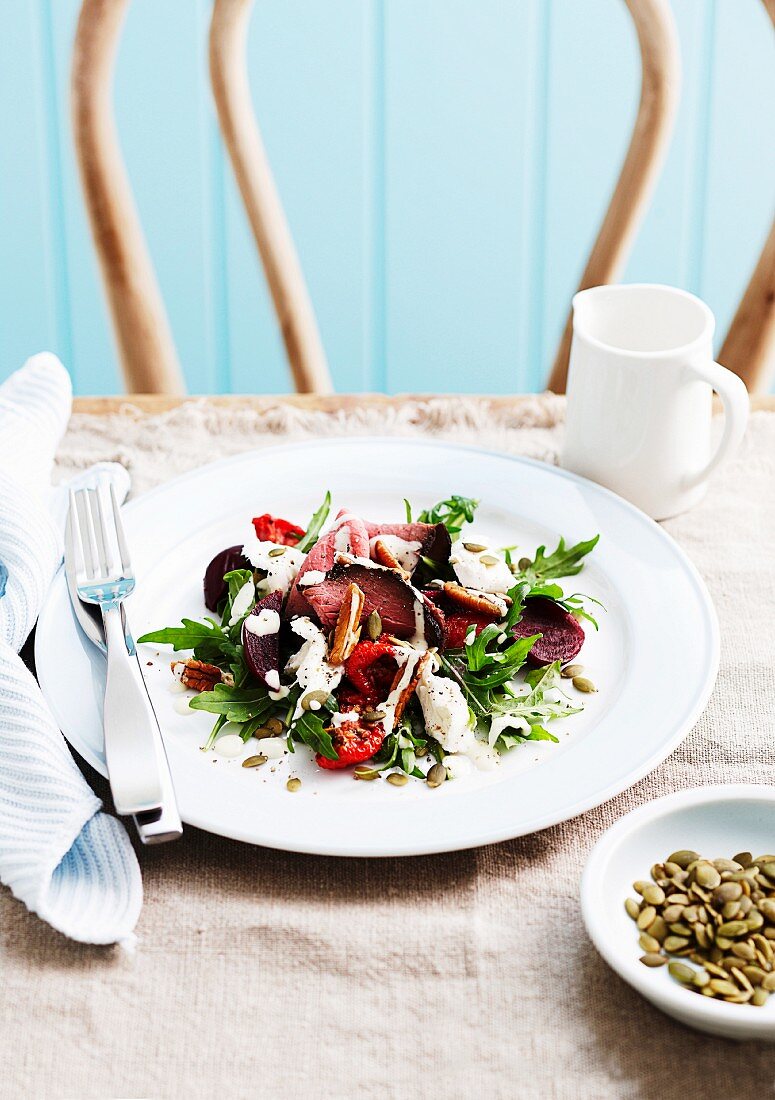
[[414, 649]]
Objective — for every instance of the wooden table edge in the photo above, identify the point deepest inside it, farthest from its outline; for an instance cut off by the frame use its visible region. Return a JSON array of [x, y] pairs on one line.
[[149, 404]]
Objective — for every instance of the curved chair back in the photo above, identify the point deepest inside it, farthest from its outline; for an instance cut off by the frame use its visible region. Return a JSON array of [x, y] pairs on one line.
[[146, 349]]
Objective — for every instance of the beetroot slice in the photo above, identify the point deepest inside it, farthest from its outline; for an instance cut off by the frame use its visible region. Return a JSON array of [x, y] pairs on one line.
[[562, 635], [262, 651], [384, 591], [215, 587]]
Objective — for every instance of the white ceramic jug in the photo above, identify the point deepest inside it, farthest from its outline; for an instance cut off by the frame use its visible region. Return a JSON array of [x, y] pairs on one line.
[[640, 387]]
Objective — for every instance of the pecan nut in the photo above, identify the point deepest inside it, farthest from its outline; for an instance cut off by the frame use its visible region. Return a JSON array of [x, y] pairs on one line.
[[410, 688], [198, 675], [347, 631], [474, 601], [385, 556]]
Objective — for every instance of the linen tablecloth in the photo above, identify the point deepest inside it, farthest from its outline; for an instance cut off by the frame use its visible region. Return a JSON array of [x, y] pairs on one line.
[[262, 973]]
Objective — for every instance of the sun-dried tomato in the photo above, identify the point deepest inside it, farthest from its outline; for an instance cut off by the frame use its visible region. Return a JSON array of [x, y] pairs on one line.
[[273, 529], [370, 668], [354, 742]]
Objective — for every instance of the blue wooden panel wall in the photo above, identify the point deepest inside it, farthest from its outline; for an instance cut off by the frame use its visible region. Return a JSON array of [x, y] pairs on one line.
[[443, 163]]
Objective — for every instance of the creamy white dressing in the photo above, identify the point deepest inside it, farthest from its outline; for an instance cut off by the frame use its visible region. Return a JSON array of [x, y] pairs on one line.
[[229, 744], [312, 576], [242, 602], [310, 664], [458, 765], [407, 658], [503, 722], [281, 569], [418, 638], [279, 693], [474, 573], [406, 553], [272, 680], [181, 705], [273, 748], [265, 622], [343, 716], [176, 687]]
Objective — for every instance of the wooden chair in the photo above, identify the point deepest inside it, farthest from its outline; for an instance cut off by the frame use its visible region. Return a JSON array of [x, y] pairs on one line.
[[142, 332]]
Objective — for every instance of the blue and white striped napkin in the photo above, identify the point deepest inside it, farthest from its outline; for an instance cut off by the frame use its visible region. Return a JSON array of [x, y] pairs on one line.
[[66, 860]]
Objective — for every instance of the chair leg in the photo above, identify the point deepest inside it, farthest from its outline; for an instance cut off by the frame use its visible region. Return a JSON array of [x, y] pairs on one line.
[[145, 346]]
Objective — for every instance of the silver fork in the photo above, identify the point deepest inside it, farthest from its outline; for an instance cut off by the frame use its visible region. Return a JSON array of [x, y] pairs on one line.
[[104, 577]]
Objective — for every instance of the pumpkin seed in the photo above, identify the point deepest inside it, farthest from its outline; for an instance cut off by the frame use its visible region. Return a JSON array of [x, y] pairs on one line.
[[373, 715], [769, 982], [293, 784], [707, 875], [767, 909], [523, 564], [318, 696], [725, 988], [374, 625], [683, 858], [276, 552], [645, 917], [254, 761], [363, 771], [675, 943], [398, 779], [648, 943], [275, 726], [681, 972], [437, 775], [769, 870], [727, 891], [571, 670], [760, 997], [582, 684], [262, 731], [743, 950], [755, 974], [652, 959], [722, 865], [489, 559], [474, 547], [654, 895], [673, 913], [743, 858], [658, 929], [631, 905]]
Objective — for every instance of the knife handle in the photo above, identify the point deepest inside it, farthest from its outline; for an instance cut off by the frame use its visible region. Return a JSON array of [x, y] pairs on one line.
[[131, 728]]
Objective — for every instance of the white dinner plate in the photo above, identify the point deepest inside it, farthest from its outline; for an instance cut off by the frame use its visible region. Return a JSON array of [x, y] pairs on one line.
[[654, 659]]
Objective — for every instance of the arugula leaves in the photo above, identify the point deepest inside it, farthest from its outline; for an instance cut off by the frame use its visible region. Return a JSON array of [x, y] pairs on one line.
[[544, 702], [209, 641], [565, 561], [453, 513], [310, 728], [315, 525]]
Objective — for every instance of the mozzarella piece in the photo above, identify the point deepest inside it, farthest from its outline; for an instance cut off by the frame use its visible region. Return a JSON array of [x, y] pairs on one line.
[[281, 569], [446, 713], [490, 575], [310, 664]]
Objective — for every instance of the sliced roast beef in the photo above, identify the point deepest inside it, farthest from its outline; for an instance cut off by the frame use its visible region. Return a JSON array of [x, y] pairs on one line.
[[261, 640], [384, 591], [215, 587], [561, 634], [433, 538], [347, 535]]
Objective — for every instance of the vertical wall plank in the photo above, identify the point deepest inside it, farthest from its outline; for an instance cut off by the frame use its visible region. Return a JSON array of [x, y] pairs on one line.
[[740, 186], [29, 319], [460, 87], [308, 77]]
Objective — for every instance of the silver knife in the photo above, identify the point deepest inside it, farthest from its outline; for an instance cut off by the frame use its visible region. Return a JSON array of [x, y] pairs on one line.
[[167, 825]]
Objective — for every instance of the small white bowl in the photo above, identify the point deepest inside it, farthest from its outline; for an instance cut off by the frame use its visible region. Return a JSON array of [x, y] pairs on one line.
[[714, 821]]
